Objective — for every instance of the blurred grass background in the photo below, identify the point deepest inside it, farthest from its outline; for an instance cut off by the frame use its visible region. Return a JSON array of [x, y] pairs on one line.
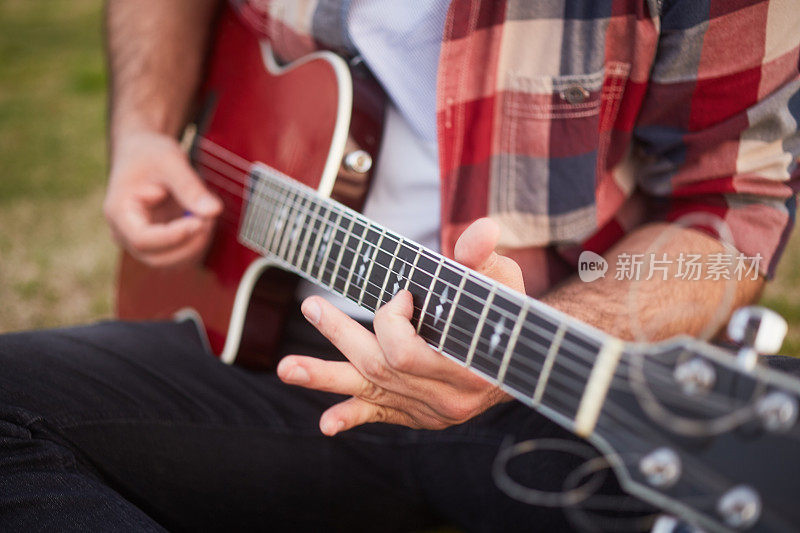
[[57, 260]]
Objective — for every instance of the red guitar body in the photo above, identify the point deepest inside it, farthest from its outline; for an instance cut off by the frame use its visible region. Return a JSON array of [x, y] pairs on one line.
[[297, 118]]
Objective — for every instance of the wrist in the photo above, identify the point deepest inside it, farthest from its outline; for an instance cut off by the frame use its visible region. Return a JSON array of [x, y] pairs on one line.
[[129, 138], [128, 128]]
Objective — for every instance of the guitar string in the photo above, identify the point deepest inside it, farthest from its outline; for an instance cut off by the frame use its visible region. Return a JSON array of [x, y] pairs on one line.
[[454, 340], [327, 221], [294, 223], [481, 341], [616, 414], [297, 262], [289, 191]]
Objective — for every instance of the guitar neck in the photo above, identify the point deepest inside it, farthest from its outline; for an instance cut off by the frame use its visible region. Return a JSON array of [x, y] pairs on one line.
[[507, 337]]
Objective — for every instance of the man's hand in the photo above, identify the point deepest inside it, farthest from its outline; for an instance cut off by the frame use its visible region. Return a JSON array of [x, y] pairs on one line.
[[157, 207], [394, 376]]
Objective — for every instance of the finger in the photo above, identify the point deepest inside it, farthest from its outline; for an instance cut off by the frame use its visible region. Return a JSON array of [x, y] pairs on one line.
[[188, 252], [475, 249], [189, 190], [146, 237], [355, 412], [339, 377], [407, 352], [351, 338]]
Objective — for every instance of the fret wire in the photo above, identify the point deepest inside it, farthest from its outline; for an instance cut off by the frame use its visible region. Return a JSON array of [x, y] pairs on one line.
[[543, 317], [371, 264], [246, 225], [347, 235], [259, 225], [408, 280], [317, 241], [454, 269], [512, 341], [283, 221], [266, 219], [288, 228], [293, 231], [416, 259], [544, 375], [355, 259], [445, 282], [428, 294], [278, 219], [298, 230], [452, 310], [479, 327], [307, 238], [253, 213], [329, 245], [389, 271], [446, 265], [417, 255]]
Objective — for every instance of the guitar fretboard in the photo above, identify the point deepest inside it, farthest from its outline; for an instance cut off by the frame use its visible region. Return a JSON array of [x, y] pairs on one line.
[[539, 355]]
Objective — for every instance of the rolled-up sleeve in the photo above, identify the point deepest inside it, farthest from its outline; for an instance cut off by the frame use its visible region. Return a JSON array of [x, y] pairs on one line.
[[718, 129]]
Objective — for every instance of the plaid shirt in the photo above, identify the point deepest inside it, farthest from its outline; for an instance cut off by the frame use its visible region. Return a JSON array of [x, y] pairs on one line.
[[573, 122]]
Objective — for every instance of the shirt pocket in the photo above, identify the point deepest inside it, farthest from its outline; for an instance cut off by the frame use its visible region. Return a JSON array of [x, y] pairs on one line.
[[553, 136]]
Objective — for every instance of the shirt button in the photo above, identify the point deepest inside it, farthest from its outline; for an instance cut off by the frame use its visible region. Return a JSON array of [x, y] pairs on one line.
[[575, 94]]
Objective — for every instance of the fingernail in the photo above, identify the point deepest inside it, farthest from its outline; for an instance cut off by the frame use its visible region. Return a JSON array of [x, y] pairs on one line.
[[298, 374], [331, 427], [326, 426], [311, 311]]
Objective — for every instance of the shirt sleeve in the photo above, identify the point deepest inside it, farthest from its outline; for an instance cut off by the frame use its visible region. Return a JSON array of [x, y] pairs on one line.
[[717, 133]]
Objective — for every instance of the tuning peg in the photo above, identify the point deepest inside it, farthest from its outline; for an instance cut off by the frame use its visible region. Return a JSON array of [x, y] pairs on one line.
[[358, 161], [757, 330]]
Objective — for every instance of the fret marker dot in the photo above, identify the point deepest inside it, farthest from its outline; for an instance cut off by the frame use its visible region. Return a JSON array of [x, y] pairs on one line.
[[499, 329]]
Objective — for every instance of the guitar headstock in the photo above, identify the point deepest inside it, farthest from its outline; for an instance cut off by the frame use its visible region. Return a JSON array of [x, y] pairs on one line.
[[706, 433]]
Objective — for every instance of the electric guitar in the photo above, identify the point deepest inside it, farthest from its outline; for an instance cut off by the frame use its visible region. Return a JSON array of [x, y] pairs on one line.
[[703, 434]]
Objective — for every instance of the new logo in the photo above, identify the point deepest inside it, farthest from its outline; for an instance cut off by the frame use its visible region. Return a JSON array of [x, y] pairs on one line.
[[591, 266]]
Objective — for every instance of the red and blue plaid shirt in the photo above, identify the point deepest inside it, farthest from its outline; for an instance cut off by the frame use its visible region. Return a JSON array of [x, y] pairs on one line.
[[573, 122]]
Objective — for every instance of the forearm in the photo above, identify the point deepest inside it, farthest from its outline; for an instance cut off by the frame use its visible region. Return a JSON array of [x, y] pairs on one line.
[[155, 55], [657, 308]]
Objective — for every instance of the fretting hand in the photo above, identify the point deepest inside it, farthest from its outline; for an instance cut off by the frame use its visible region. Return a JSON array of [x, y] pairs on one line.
[[393, 376]]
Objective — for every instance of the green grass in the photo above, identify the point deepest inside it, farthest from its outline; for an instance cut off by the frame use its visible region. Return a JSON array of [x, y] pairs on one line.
[[52, 85], [56, 260], [783, 294]]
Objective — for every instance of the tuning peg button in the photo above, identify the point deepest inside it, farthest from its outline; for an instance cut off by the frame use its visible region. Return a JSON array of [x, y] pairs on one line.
[[758, 330], [740, 507], [778, 411]]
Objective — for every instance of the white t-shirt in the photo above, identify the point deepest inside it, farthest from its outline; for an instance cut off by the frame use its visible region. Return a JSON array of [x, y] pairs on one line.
[[400, 42]]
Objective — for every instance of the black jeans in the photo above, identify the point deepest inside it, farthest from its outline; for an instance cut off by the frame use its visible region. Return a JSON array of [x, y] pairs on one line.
[[125, 426]]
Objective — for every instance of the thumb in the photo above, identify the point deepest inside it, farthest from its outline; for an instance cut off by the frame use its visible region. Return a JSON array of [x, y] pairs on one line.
[[475, 249], [189, 191]]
